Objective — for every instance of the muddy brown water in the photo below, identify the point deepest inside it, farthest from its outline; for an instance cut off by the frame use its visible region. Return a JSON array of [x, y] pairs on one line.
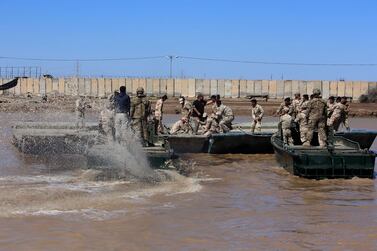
[[229, 202]]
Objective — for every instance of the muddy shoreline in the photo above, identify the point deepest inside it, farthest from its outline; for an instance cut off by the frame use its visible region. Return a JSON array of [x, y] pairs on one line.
[[241, 107]]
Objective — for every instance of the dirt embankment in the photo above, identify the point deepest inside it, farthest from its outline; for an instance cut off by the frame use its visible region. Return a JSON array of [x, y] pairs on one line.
[[239, 106]]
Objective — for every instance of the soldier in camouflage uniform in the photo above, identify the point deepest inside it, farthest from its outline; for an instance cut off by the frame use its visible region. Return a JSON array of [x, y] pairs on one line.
[[286, 104], [183, 125], [286, 124], [180, 127], [225, 116], [330, 106], [305, 102], [338, 114], [346, 112], [80, 108], [140, 110], [296, 103], [211, 122], [302, 120], [317, 114], [256, 116], [158, 112]]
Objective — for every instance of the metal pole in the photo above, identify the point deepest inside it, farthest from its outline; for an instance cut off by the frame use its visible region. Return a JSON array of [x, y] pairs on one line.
[[171, 66], [77, 68]]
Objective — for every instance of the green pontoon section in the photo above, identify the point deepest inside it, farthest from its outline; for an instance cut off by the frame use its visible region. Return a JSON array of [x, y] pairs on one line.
[[240, 142], [345, 160], [44, 138]]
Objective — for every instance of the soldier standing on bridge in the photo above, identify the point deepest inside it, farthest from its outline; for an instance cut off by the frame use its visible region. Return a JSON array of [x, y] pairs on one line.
[[286, 126], [158, 111], [140, 110], [317, 116], [296, 103], [338, 115], [122, 113], [301, 119], [256, 116], [80, 108], [286, 104]]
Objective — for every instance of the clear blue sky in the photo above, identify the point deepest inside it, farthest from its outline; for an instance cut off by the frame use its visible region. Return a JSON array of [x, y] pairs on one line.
[[316, 31]]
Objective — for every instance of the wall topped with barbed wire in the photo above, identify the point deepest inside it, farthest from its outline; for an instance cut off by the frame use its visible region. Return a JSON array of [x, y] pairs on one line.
[[237, 88]]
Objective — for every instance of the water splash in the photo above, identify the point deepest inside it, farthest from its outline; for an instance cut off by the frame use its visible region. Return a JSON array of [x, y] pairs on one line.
[[127, 160]]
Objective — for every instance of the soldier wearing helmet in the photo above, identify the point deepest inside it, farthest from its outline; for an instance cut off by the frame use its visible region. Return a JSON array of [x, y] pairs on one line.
[[286, 124], [286, 104], [302, 121], [296, 103], [256, 116], [317, 116], [140, 110]]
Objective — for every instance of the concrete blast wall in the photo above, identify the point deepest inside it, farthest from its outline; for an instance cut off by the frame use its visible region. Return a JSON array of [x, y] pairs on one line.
[[102, 87]]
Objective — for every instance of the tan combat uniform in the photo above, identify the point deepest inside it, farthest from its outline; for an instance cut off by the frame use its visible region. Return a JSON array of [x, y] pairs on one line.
[[317, 114], [180, 127], [337, 115], [296, 104], [330, 109], [80, 112], [286, 123], [183, 125], [212, 124], [140, 110], [225, 115], [303, 104], [256, 115], [158, 115], [345, 119], [282, 106], [301, 119]]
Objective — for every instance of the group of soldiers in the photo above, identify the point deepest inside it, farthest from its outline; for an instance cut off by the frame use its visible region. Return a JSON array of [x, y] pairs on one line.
[[314, 114], [195, 120], [119, 114], [309, 114]]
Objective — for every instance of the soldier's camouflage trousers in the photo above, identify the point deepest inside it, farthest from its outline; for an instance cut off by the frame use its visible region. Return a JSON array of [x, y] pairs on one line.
[[304, 134], [320, 125], [256, 125], [334, 121], [287, 136], [226, 124], [139, 126]]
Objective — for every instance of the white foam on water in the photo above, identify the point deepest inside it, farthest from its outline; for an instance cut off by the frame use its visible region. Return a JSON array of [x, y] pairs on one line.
[[90, 213], [75, 195]]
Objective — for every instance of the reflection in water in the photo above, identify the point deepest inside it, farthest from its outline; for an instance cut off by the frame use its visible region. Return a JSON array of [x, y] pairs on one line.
[[229, 202]]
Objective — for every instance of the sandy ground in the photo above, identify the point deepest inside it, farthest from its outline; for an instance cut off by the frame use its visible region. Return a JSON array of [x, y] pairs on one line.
[[240, 106]]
